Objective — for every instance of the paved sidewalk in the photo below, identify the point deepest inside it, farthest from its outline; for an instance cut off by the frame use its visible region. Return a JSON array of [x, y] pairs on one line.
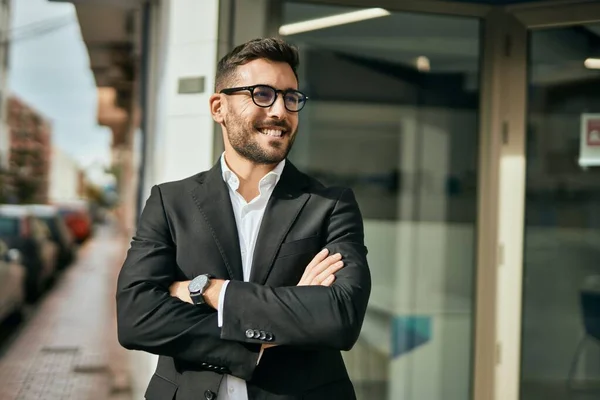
[[68, 348]]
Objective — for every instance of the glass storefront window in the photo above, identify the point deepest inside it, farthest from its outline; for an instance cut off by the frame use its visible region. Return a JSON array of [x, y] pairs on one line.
[[393, 113]]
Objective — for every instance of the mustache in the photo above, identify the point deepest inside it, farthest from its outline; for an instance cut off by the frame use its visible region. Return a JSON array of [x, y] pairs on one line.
[[273, 124]]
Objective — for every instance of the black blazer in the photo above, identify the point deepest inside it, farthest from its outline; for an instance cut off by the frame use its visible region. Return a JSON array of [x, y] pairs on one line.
[[188, 228]]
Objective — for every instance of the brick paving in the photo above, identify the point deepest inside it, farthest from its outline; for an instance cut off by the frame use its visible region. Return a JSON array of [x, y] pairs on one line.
[[67, 349]]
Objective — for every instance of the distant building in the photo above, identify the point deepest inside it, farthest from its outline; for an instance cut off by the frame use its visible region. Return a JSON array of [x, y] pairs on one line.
[[67, 181], [28, 177], [5, 23]]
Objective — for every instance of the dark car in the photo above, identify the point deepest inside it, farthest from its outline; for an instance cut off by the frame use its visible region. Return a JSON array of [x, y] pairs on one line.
[[59, 232], [12, 283], [23, 231]]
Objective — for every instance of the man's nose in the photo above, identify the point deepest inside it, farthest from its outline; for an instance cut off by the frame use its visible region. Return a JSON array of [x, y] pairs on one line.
[[278, 110]]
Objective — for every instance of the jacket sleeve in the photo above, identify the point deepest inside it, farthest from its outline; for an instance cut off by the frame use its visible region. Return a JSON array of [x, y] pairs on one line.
[[308, 315], [151, 320]]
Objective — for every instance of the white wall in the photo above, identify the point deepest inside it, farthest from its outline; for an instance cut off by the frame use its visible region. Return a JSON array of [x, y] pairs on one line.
[[64, 177]]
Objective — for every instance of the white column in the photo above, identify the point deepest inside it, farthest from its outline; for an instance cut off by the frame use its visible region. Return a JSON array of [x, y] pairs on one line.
[[180, 127]]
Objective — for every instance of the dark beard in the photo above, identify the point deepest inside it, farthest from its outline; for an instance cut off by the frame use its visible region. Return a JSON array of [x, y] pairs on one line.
[[244, 142]]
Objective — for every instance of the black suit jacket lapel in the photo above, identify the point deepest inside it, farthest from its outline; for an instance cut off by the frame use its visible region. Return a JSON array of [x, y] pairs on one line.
[[283, 208], [211, 195]]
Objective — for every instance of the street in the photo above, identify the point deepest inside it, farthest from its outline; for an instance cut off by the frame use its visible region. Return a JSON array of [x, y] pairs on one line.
[[64, 346]]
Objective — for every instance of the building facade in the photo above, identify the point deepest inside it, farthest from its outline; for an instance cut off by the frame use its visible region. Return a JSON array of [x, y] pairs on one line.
[[30, 154], [469, 133], [67, 180], [5, 31]]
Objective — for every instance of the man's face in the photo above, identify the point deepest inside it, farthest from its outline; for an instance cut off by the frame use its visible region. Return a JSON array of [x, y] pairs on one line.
[[263, 135]]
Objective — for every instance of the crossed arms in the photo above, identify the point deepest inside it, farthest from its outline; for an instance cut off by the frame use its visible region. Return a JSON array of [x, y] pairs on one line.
[[320, 271], [329, 314]]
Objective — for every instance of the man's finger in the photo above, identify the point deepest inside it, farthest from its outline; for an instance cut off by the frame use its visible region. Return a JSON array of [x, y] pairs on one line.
[[317, 259], [328, 281], [310, 274], [323, 265], [332, 269]]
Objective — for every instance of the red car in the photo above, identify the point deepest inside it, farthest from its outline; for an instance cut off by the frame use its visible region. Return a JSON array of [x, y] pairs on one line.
[[78, 220]]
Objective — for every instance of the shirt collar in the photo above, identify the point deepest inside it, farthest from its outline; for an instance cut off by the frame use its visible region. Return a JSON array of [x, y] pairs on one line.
[[271, 179]]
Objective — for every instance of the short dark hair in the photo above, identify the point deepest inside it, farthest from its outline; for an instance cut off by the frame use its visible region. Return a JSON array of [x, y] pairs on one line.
[[271, 49]]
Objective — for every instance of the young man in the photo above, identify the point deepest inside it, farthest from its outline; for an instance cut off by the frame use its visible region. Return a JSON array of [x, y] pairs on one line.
[[248, 279]]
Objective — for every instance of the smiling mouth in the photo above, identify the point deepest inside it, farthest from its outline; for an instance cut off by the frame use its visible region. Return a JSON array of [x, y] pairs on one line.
[[273, 132]]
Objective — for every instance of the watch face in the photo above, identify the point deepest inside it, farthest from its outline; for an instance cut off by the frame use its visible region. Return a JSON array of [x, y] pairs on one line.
[[198, 283]]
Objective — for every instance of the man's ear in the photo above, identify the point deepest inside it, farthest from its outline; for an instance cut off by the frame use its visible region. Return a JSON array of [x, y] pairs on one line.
[[216, 107]]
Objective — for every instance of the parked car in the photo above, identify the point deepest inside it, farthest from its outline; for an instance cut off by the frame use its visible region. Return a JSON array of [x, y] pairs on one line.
[[59, 232], [12, 282], [78, 219], [28, 234]]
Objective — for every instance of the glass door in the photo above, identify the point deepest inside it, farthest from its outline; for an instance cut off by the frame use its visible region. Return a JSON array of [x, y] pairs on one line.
[[560, 356]]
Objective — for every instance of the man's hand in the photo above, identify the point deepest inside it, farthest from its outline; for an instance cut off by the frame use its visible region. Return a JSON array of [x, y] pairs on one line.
[[180, 290], [321, 270], [211, 295]]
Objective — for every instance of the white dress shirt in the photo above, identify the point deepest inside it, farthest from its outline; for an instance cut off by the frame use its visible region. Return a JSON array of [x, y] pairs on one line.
[[248, 217]]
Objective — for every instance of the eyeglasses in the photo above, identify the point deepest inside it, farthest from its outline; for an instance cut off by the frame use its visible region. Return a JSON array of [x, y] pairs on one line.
[[265, 96]]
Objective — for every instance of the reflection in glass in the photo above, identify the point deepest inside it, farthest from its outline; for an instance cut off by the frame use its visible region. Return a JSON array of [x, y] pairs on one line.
[[561, 303], [393, 114]]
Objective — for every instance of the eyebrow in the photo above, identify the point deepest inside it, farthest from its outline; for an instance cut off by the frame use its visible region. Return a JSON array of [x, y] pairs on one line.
[[266, 84]]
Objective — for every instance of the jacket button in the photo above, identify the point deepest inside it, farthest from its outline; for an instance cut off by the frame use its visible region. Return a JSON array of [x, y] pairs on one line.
[[256, 334], [209, 395], [263, 335], [249, 333]]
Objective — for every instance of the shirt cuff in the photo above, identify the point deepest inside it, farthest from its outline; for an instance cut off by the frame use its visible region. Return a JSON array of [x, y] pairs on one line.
[[221, 301], [262, 349]]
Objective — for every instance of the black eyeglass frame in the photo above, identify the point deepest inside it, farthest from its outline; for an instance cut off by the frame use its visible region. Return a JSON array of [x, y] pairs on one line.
[[252, 88]]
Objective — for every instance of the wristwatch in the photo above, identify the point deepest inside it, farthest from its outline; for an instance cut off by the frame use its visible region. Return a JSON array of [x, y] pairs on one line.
[[197, 287]]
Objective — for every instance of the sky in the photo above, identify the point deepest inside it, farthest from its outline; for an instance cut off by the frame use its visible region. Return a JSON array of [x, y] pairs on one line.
[[50, 72]]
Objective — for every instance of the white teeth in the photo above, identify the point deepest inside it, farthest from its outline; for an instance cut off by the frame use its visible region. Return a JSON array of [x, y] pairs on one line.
[[271, 132]]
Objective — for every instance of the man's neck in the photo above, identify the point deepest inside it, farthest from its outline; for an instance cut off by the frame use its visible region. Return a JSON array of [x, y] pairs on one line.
[[248, 173]]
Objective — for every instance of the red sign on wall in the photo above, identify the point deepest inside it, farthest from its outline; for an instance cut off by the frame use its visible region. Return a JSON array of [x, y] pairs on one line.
[[593, 132], [589, 151]]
